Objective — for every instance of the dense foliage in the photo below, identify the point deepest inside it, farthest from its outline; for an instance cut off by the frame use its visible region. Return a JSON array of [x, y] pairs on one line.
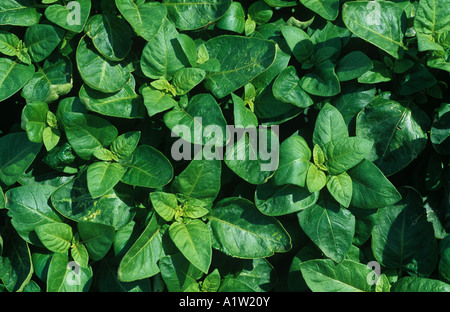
[[99, 193]]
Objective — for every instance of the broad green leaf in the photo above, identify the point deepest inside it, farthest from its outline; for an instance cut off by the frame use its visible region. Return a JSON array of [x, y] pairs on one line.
[[165, 204], [13, 76], [254, 156], [19, 13], [51, 81], [16, 154], [186, 79], [125, 103], [352, 100], [440, 131], [417, 79], [281, 3], [233, 19], [97, 238], [102, 176], [322, 81], [72, 200], [200, 179], [243, 116], [403, 238], [378, 74], [353, 65], [432, 24], [86, 133], [324, 275], [399, 133], [56, 237], [330, 227], [274, 200], [79, 254], [341, 188], [240, 230], [200, 122], [299, 42], [125, 144], [41, 40], [34, 117], [241, 59], [371, 189], [211, 283], [178, 273], [65, 276], [444, 261], [141, 260], [294, 162], [329, 126], [420, 284], [190, 15], [157, 101], [98, 72], [315, 178], [28, 209], [328, 9], [145, 18], [287, 88], [193, 239], [16, 266], [345, 153], [68, 17], [10, 44], [163, 55], [382, 23], [147, 167], [110, 35]]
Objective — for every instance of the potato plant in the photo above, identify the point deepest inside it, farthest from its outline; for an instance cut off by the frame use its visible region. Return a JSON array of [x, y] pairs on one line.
[[224, 146]]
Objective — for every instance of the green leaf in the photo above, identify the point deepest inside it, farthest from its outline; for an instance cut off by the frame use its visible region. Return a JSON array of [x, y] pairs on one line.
[[193, 239], [56, 237], [145, 18], [16, 266], [328, 9], [16, 155], [200, 179], [65, 276], [34, 120], [233, 19], [19, 13], [13, 76], [330, 126], [125, 144], [86, 133], [147, 167], [294, 162], [102, 176], [125, 103], [274, 200], [186, 79], [440, 131], [163, 55], [200, 122], [324, 275], [286, 88], [141, 259], [420, 284], [330, 227], [195, 14], [178, 273], [322, 81], [315, 178], [431, 23], [110, 35], [97, 238], [240, 230], [353, 65], [156, 101], [72, 200], [371, 189], [383, 24], [41, 40], [67, 16], [341, 188], [165, 204], [399, 133], [343, 154], [403, 238], [98, 72], [299, 42], [241, 59]]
